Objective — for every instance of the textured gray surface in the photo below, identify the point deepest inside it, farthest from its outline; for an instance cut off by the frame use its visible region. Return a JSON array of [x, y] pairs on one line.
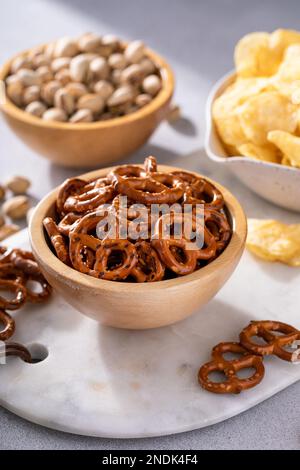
[[197, 37]]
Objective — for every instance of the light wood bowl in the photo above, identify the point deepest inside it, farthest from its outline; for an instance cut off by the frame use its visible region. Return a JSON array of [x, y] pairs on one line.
[[90, 144], [132, 305]]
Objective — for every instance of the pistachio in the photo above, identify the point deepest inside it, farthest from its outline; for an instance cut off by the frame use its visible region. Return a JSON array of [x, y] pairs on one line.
[[12, 79], [36, 108], [152, 84], [110, 40], [134, 52], [32, 93], [15, 93], [63, 76], [91, 101], [174, 113], [55, 114], [132, 74], [18, 184], [120, 96], [7, 230], [64, 101], [65, 47], [104, 89], [117, 61], [147, 65], [49, 50], [142, 99], [116, 77], [2, 192], [28, 77], [56, 81], [48, 91], [99, 68], [82, 115], [45, 73], [16, 207], [40, 60], [60, 63], [76, 89], [79, 68], [89, 42], [20, 63]]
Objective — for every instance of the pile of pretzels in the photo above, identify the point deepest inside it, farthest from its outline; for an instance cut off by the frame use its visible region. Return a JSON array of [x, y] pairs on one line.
[[72, 232], [17, 268], [277, 338]]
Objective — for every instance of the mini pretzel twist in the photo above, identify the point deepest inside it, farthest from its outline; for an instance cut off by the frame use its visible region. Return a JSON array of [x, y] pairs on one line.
[[232, 384], [17, 350], [20, 294], [150, 165], [75, 236], [57, 239], [204, 192], [9, 325], [275, 344], [149, 267]]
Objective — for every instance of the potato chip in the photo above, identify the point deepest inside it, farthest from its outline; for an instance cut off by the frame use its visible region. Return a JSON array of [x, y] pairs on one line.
[[274, 241], [224, 109], [267, 153], [253, 56], [288, 144], [289, 69], [266, 112], [280, 39]]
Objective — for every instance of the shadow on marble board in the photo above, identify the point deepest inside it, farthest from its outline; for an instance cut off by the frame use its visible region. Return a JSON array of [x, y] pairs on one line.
[[142, 351]]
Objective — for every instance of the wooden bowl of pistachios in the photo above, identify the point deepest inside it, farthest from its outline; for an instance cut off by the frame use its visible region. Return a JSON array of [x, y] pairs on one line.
[[87, 101]]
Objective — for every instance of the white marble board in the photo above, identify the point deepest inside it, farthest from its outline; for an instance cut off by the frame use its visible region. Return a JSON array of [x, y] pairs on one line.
[[106, 382]]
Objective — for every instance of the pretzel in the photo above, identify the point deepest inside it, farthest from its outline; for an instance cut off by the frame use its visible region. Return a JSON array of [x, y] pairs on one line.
[[25, 262], [82, 205], [82, 243], [41, 295], [150, 165], [204, 192], [149, 267], [70, 187], [57, 240], [120, 269], [18, 350], [67, 223], [275, 344], [9, 325], [20, 294], [219, 227], [233, 384], [89, 200]]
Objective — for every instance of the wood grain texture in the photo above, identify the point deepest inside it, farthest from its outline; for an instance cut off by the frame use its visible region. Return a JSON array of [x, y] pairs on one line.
[[90, 144], [131, 305]]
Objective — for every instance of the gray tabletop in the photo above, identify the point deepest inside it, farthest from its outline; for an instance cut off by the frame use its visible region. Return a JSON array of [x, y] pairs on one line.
[[198, 38]]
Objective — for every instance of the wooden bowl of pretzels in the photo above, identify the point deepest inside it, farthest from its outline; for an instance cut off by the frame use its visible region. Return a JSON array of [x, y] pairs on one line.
[[138, 246]]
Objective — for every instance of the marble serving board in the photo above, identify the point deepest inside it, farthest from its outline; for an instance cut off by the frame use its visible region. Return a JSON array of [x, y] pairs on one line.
[[100, 381]]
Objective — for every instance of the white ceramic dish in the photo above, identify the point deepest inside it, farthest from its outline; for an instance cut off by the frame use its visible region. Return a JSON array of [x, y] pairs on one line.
[[276, 183]]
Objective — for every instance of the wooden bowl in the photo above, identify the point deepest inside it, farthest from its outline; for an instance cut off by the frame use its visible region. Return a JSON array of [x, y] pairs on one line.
[[90, 144], [132, 305]]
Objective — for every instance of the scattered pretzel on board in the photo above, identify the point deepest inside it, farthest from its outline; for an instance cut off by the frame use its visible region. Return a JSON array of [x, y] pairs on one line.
[[17, 268], [251, 356]]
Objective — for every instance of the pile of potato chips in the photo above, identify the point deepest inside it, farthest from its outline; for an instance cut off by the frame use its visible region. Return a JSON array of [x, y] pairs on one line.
[[271, 240], [258, 115]]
